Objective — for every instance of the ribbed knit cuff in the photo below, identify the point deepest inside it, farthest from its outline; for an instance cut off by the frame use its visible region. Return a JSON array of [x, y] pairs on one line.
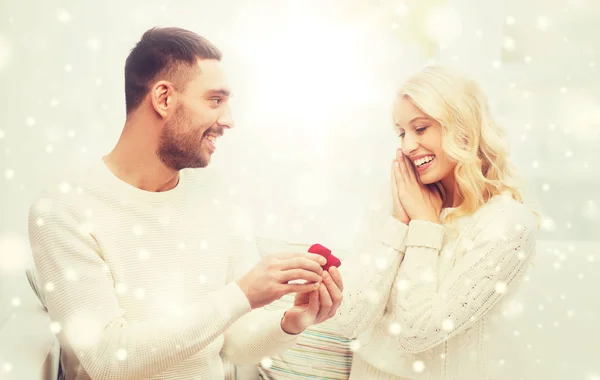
[[393, 233], [425, 234]]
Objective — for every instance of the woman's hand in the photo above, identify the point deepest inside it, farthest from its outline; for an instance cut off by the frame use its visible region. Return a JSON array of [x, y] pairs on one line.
[[418, 200], [398, 211]]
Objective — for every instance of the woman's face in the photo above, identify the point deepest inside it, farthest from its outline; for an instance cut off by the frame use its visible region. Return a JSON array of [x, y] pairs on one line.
[[421, 141]]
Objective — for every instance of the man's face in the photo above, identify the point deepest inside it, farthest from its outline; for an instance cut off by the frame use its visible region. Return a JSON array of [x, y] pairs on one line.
[[202, 114]]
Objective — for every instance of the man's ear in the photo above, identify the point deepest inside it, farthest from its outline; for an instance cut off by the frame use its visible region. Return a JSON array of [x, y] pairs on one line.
[[162, 98]]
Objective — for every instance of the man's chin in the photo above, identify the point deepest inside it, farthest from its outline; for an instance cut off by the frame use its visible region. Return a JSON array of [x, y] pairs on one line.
[[202, 162], [199, 165], [196, 163]]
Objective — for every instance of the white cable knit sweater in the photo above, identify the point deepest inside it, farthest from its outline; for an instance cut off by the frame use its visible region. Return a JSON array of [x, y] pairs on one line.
[[141, 284], [425, 300]]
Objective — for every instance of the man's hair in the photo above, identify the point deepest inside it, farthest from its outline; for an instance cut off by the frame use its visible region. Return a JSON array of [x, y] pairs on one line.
[[164, 53]]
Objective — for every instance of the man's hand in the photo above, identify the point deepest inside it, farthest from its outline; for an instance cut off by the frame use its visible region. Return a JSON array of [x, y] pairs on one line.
[[268, 280], [317, 306]]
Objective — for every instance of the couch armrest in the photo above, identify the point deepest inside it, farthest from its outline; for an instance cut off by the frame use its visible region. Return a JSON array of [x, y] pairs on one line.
[[28, 349]]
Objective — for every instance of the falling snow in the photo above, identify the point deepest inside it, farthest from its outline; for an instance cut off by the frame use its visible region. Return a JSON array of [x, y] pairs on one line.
[[5, 52], [144, 254], [7, 367], [63, 15], [121, 354], [500, 287], [83, 329], [55, 327], [121, 288], [538, 64], [140, 293], [394, 328], [266, 363], [418, 366], [14, 254], [448, 325]]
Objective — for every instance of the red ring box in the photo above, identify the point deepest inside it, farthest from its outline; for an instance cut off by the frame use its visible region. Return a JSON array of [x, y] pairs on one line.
[[332, 261]]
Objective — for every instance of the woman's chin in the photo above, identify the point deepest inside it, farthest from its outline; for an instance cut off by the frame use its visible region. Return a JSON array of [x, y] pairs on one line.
[[427, 179]]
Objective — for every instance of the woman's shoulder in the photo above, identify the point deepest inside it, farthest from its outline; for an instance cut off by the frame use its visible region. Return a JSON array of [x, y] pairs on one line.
[[503, 212]]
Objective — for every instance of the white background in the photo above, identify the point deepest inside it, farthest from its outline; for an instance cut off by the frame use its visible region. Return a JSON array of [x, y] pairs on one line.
[[314, 82]]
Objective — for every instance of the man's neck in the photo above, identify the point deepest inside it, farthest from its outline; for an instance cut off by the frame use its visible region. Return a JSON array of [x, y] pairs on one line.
[[134, 159]]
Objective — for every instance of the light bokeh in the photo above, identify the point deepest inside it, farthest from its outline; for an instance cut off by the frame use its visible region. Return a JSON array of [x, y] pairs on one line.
[[314, 82]]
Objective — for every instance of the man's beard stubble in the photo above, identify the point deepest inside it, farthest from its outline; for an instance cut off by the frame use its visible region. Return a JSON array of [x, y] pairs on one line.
[[181, 150]]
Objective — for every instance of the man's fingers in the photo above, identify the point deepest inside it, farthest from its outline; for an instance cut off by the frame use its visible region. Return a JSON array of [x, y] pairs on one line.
[[334, 292], [299, 288], [301, 298], [299, 274], [304, 263], [336, 276], [325, 303], [313, 304], [317, 258], [295, 255]]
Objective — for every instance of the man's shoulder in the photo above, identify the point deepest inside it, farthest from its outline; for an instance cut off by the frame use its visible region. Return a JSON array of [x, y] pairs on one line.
[[65, 189], [208, 180], [216, 186]]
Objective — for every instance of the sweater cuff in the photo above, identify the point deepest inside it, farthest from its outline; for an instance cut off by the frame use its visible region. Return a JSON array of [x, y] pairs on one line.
[[393, 233], [232, 303], [425, 234], [276, 333]]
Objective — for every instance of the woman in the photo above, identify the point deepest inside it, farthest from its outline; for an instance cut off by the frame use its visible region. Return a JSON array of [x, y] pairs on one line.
[[448, 248]]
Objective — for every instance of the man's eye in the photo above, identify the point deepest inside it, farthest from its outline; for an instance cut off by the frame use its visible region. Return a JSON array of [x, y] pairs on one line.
[[216, 100]]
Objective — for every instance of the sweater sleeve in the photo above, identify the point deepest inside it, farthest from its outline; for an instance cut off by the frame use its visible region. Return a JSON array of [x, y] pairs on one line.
[[257, 334], [430, 312], [82, 301], [369, 272]]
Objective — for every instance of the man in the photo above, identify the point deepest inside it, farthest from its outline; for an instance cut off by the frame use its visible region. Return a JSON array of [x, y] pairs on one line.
[[145, 271]]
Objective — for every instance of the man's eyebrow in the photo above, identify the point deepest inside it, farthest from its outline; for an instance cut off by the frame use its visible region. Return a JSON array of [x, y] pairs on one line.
[[219, 91]]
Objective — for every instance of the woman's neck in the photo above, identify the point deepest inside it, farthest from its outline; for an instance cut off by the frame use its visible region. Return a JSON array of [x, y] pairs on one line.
[[452, 198]]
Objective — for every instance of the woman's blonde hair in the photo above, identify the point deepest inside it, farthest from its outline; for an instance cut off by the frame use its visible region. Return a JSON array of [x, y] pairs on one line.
[[471, 137]]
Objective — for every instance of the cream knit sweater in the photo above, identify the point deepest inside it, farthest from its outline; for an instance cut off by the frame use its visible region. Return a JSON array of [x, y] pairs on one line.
[[141, 284], [425, 300]]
